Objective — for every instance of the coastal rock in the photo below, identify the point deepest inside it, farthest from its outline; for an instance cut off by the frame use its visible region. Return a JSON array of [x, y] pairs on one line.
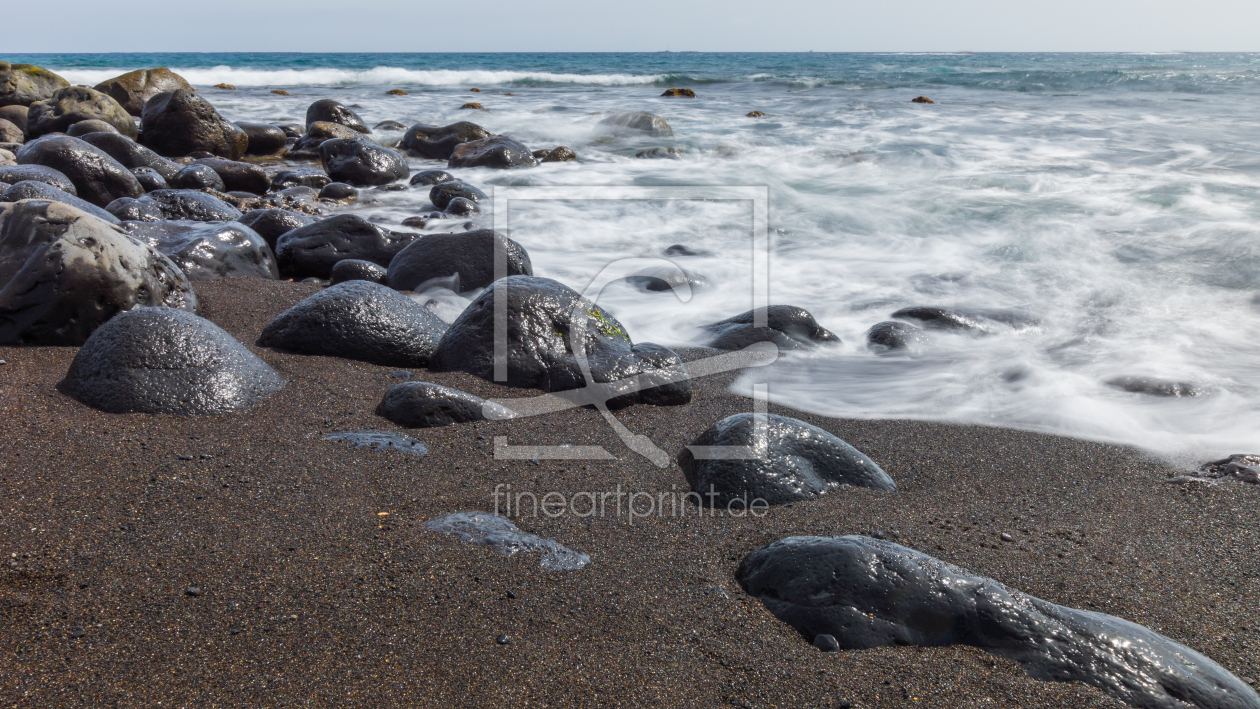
[[13, 174], [1153, 386], [870, 593], [74, 104], [97, 177], [177, 123], [358, 270], [660, 153], [271, 224], [92, 125], [299, 177], [198, 177], [437, 143], [461, 207], [396, 92], [755, 114], [1240, 466], [431, 177], [67, 272], [16, 115], [264, 138], [30, 189], [330, 111], [167, 361], [133, 89], [796, 462], [128, 209], [317, 133], [239, 176], [921, 99], [10, 132], [473, 105], [190, 204], [358, 162], [24, 84], [974, 320], [891, 336], [389, 125], [132, 155], [680, 93], [442, 193], [313, 250], [497, 151], [493, 531], [208, 250], [426, 405], [663, 278], [640, 121], [787, 326], [339, 191], [468, 255], [560, 154], [149, 179], [358, 320]]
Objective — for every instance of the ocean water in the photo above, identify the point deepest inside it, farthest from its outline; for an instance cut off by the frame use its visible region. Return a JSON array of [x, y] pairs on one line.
[[1113, 199]]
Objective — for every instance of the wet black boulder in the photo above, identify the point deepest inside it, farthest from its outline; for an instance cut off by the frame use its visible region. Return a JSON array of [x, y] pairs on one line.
[[438, 142], [869, 593], [498, 151], [177, 123], [431, 177], [133, 155], [358, 270], [271, 224], [442, 193], [316, 134], [787, 326], [264, 138], [30, 189], [330, 111], [198, 177], [893, 336], [299, 177], [361, 163], [1154, 386], [167, 361], [92, 125], [427, 405], [796, 461], [191, 204], [339, 191], [13, 174], [239, 176], [74, 104], [97, 177], [150, 179], [67, 272], [208, 250], [358, 320], [128, 209], [974, 320], [469, 254], [314, 249]]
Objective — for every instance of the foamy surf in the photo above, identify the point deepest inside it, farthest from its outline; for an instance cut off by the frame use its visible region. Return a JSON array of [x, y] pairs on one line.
[[376, 76]]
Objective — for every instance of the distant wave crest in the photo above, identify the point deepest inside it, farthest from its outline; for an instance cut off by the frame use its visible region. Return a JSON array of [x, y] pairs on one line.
[[381, 75]]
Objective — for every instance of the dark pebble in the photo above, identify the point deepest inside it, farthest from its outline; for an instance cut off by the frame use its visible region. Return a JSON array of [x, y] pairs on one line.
[[185, 457], [77, 632], [826, 643], [1006, 537], [193, 591], [503, 640]]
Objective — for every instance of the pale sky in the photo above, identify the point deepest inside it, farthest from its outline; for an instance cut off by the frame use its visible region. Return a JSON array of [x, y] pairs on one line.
[[645, 25]]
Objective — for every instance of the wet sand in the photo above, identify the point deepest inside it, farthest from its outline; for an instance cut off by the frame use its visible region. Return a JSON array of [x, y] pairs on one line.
[[317, 584]]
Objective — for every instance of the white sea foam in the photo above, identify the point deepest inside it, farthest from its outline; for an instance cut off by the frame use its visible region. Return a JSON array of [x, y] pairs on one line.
[[376, 76]]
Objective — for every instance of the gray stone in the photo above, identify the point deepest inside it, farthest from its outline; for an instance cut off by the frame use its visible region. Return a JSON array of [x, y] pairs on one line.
[[431, 177], [208, 250], [892, 336], [264, 138], [128, 209], [150, 179], [92, 125], [427, 405], [787, 326], [640, 121], [239, 176], [97, 177]]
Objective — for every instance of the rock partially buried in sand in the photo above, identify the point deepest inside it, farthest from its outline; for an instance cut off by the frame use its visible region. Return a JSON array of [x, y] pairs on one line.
[[97, 177], [167, 361], [470, 255], [869, 593], [177, 123], [353, 269], [330, 111], [380, 440], [314, 249], [796, 462], [680, 93], [787, 326], [208, 250], [426, 405], [437, 143], [641, 121], [360, 163], [74, 104], [132, 89], [504, 537], [498, 151], [67, 272], [921, 99], [358, 320], [1152, 386], [24, 84]]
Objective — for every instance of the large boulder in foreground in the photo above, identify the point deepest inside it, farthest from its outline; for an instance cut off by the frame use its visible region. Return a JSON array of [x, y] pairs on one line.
[[498, 151], [97, 177], [67, 272], [133, 89], [358, 320], [132, 155], [176, 123], [438, 142], [24, 84], [868, 593], [313, 250], [427, 405], [787, 326], [327, 110], [75, 104], [796, 461], [208, 250], [638, 122], [167, 361], [468, 255], [361, 163]]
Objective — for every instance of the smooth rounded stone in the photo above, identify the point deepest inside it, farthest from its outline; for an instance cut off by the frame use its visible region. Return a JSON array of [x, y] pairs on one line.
[[67, 272], [460, 207], [486, 529], [639, 121], [796, 462], [442, 193], [891, 336], [177, 123], [661, 279], [17, 115], [329, 111], [415, 222], [198, 177], [339, 191], [358, 320], [314, 249], [964, 319], [191, 204], [128, 209], [73, 104], [438, 143], [826, 643], [271, 224], [869, 593], [431, 177], [1153, 386], [292, 130], [361, 163], [622, 376], [13, 174], [10, 132], [426, 405], [389, 125], [380, 441], [239, 176], [82, 128], [358, 270], [680, 93], [30, 189], [264, 138], [150, 179], [97, 177], [133, 89], [7, 157], [317, 133], [787, 326], [497, 151], [208, 250], [299, 177], [24, 84], [468, 255], [167, 361], [560, 154], [133, 155]]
